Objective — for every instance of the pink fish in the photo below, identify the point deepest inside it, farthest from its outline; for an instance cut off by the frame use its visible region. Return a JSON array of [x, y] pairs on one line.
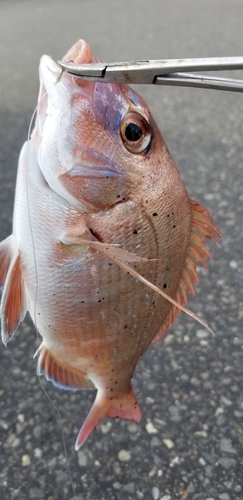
[[105, 240]]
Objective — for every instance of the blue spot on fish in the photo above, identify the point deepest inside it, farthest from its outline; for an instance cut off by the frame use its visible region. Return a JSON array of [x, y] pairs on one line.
[[117, 124], [133, 97]]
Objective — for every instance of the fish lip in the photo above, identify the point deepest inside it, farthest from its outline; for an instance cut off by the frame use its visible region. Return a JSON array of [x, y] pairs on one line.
[[51, 74], [49, 71]]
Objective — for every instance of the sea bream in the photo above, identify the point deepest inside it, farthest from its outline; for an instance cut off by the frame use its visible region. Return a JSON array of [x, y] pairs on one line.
[[102, 223]]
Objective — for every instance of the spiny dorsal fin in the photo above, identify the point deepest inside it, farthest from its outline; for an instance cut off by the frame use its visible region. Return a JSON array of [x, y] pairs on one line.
[[201, 228]]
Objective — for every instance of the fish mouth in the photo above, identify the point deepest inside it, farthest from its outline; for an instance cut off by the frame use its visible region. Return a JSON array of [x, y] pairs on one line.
[[50, 73]]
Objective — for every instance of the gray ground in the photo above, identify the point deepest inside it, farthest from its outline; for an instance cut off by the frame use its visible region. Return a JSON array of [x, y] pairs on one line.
[[189, 443]]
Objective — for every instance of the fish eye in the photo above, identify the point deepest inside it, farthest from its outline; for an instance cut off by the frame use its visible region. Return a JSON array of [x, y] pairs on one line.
[[135, 132]]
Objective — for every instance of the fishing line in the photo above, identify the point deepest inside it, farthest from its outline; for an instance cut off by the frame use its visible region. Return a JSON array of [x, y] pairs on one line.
[[37, 283]]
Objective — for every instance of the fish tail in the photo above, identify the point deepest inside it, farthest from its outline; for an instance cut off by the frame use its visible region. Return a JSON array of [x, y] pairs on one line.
[[125, 406]]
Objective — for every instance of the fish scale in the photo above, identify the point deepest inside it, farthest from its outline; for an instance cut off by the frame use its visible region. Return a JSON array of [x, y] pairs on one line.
[[105, 240]]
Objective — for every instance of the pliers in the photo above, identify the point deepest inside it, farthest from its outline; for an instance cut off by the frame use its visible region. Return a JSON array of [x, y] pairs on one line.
[[162, 72]]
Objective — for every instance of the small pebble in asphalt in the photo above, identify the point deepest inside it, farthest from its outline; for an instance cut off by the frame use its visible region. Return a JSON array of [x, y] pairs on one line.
[[225, 401], [202, 334], [224, 496], [130, 487], [227, 463], [105, 428], [25, 460], [132, 427], [124, 455], [226, 446], [168, 443], [82, 458], [151, 429], [190, 488], [117, 485], [37, 453], [202, 461], [155, 441], [152, 472], [36, 493], [155, 493]]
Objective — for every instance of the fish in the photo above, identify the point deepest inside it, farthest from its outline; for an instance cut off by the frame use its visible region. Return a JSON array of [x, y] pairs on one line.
[[105, 239]]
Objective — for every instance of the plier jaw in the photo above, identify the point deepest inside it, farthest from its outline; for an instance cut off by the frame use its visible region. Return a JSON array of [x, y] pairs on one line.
[[161, 72]]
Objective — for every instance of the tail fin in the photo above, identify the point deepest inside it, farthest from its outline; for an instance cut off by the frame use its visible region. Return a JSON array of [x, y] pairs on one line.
[[125, 406]]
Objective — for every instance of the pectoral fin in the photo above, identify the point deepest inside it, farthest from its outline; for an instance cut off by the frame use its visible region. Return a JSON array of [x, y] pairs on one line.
[[5, 258], [13, 306], [123, 258], [114, 252]]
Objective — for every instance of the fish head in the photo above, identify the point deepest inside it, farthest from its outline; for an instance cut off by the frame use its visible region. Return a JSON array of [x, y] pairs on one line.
[[97, 143]]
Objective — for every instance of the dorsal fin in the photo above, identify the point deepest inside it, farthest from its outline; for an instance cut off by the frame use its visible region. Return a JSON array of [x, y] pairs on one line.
[[13, 306], [58, 373], [201, 228]]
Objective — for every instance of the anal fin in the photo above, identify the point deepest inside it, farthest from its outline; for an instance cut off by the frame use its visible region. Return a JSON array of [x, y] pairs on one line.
[[125, 406], [60, 375], [13, 306]]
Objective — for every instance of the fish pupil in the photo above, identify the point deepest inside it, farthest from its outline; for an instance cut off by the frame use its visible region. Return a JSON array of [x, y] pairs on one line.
[[133, 132]]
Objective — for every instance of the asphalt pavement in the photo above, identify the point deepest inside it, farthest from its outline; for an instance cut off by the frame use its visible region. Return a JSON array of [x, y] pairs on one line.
[[189, 444]]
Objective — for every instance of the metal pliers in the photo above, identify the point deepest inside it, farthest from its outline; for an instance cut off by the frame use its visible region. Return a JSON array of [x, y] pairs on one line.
[[161, 72]]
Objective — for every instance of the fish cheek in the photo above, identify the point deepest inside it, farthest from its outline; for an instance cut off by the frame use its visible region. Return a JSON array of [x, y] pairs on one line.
[[98, 193]]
